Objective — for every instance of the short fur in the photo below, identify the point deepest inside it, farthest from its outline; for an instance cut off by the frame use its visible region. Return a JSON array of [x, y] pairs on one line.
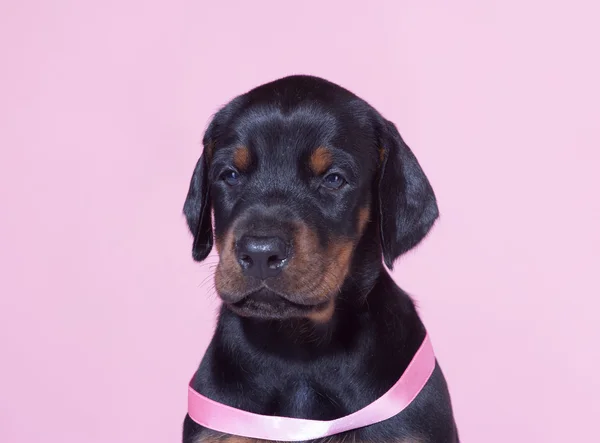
[[332, 332]]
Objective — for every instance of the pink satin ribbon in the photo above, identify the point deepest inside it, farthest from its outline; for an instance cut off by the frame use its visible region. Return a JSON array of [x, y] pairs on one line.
[[229, 420]]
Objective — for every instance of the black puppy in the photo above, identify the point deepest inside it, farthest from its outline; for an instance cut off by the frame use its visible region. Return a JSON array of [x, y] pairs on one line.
[[310, 188]]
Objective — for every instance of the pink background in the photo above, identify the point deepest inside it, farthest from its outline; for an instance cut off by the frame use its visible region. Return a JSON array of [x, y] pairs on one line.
[[104, 315]]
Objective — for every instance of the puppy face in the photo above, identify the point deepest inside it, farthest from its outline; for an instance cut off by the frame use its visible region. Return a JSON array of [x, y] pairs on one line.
[[293, 171]]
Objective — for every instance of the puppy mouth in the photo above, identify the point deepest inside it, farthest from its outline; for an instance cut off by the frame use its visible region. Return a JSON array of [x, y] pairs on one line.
[[268, 304]]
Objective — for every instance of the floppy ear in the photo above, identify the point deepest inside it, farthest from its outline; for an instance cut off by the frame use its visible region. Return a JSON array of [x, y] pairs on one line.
[[197, 208], [198, 205], [407, 204]]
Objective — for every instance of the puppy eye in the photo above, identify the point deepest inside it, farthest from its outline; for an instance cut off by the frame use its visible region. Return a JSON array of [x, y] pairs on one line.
[[231, 177], [334, 181]]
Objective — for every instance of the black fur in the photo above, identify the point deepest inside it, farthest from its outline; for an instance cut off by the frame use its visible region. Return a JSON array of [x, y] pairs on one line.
[[408, 208], [275, 360]]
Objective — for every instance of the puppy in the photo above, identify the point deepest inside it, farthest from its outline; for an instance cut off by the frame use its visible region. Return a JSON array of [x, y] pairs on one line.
[[312, 191]]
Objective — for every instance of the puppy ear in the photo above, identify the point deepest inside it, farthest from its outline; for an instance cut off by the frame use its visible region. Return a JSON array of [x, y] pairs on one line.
[[198, 205], [406, 202], [197, 208]]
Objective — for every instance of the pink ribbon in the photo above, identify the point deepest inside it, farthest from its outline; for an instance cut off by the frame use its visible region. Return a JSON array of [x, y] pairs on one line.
[[233, 421]]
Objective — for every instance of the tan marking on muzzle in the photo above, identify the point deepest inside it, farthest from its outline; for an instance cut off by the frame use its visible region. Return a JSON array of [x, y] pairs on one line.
[[315, 274], [228, 276], [334, 269], [338, 256], [323, 315], [304, 264], [312, 273]]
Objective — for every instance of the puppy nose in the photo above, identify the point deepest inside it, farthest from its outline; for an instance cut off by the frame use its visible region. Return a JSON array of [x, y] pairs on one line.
[[261, 257]]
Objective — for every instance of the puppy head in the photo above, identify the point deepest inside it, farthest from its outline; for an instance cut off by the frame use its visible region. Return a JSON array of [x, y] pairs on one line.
[[296, 171]]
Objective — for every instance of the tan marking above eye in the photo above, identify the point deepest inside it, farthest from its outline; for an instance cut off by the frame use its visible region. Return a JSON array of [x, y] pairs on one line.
[[241, 158], [320, 160]]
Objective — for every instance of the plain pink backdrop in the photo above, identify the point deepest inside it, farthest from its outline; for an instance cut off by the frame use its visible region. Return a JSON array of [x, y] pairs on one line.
[[104, 315]]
